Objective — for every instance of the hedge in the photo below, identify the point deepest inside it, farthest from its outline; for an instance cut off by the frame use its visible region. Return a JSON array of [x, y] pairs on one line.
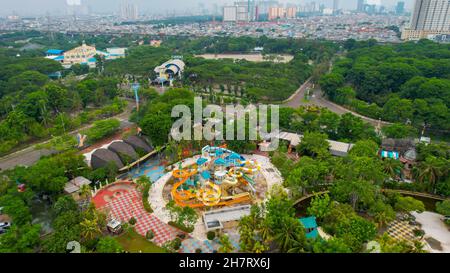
[[181, 227], [145, 196]]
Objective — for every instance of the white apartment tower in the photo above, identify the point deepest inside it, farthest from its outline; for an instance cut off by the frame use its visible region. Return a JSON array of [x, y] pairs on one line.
[[430, 17]]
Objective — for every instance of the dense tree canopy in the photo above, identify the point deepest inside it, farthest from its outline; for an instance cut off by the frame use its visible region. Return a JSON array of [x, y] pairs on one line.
[[406, 82]]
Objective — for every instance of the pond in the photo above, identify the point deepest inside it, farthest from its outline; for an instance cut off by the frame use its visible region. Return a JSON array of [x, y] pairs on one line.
[[40, 210]]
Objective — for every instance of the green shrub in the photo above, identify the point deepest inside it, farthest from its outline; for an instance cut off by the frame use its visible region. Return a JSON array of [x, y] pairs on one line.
[[211, 235], [181, 227], [101, 129], [443, 207], [150, 234], [176, 243], [418, 232], [132, 221], [408, 204]]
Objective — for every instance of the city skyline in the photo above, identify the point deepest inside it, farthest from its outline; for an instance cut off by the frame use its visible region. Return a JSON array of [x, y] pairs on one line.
[[58, 7]]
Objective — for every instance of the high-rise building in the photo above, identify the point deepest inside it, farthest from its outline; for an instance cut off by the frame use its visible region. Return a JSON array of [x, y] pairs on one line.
[[230, 14], [242, 11], [360, 6], [335, 6], [129, 11], [400, 8], [264, 5], [291, 12], [282, 13], [430, 17], [76, 8], [243, 14]]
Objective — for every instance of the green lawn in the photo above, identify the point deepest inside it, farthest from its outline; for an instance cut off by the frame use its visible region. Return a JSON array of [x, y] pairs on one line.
[[135, 243]]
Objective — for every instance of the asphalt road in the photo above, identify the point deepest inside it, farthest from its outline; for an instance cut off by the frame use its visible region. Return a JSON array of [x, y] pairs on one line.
[[317, 99], [30, 155]]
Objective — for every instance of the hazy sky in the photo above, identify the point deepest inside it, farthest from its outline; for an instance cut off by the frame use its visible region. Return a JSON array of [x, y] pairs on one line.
[[28, 7]]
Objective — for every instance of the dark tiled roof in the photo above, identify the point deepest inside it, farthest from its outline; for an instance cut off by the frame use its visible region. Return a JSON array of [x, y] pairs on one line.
[[397, 145]]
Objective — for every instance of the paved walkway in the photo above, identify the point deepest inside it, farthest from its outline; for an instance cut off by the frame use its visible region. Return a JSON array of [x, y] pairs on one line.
[[128, 205], [434, 228], [269, 171], [208, 246]]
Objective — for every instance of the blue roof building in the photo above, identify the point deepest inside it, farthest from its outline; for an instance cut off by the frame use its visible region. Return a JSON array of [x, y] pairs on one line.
[[310, 225], [54, 52]]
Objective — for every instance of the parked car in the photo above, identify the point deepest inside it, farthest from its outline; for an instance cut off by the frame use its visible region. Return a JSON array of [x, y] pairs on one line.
[[5, 225]]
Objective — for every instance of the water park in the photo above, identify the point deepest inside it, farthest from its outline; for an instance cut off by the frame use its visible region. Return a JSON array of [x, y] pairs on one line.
[[220, 177], [219, 184]]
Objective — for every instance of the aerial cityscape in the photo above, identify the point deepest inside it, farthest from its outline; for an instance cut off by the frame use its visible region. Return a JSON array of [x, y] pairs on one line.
[[251, 126]]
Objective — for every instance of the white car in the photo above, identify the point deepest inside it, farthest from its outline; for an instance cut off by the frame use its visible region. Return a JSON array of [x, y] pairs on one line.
[[5, 225]]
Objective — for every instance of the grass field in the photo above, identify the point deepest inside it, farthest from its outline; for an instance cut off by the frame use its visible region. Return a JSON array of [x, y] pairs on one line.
[[135, 243]]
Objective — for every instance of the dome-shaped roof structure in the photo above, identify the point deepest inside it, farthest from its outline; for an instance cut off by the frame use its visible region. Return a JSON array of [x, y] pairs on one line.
[[102, 157], [123, 149], [138, 143]]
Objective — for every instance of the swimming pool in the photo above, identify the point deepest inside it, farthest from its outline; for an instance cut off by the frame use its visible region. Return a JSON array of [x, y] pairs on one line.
[[153, 169]]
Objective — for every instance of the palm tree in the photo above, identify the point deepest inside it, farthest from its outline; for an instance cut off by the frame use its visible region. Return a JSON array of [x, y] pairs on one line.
[[382, 218], [391, 167], [226, 245], [265, 231], [288, 234], [430, 171], [90, 229], [297, 247]]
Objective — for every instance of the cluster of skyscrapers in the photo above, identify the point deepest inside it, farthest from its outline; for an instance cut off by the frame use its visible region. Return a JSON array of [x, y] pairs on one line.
[[253, 10]]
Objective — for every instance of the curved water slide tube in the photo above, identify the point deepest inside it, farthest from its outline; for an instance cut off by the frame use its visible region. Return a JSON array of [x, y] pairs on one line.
[[250, 167], [212, 149], [180, 196], [208, 197], [230, 180], [210, 194], [248, 181]]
